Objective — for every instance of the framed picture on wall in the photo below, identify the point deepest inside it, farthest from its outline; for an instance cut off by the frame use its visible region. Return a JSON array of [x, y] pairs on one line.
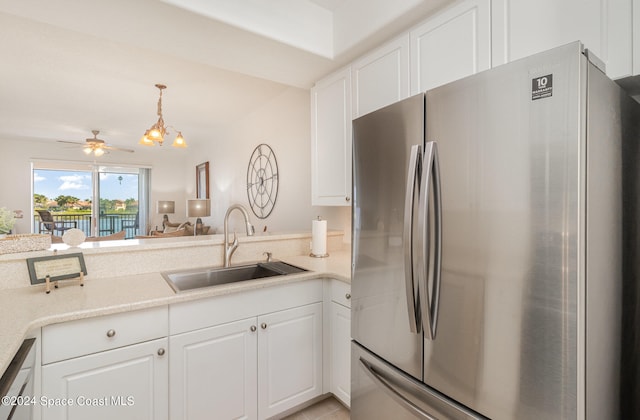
[[202, 180]]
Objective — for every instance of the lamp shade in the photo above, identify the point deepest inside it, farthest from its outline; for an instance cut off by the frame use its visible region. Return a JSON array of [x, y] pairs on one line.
[[166, 207], [198, 208]]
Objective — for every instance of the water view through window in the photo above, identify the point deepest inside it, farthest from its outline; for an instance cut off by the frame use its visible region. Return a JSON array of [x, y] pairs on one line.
[[99, 202]]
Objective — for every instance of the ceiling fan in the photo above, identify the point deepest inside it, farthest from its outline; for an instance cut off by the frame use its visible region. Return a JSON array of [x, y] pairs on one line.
[[96, 146]]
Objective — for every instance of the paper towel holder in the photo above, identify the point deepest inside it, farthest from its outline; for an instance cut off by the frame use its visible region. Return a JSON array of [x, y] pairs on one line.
[[324, 255]]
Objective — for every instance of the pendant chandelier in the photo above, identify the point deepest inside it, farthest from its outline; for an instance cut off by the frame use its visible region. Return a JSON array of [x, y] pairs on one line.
[[156, 133]]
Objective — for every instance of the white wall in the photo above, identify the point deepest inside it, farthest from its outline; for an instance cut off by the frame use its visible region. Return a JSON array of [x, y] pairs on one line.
[[284, 124]]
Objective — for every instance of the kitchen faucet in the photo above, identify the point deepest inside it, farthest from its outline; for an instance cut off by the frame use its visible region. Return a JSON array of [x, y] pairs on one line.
[[229, 248]]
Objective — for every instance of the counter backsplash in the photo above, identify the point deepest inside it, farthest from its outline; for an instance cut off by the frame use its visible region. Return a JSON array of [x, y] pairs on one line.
[[139, 256]]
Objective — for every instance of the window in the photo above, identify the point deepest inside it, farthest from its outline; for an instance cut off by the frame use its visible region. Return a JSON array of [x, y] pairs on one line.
[[99, 200]]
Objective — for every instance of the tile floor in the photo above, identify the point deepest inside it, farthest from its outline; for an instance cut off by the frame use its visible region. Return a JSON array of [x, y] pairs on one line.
[[328, 409]]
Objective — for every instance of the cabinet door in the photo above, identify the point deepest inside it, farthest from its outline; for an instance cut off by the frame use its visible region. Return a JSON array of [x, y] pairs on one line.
[[331, 140], [522, 28], [126, 383], [213, 372], [289, 358], [341, 352], [381, 78], [451, 45]]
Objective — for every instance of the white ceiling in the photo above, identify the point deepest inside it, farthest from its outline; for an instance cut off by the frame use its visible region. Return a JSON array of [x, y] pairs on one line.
[[70, 66]]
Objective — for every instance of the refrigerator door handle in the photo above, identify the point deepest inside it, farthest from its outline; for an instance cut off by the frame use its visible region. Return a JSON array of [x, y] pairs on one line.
[[430, 267], [407, 239], [391, 392]]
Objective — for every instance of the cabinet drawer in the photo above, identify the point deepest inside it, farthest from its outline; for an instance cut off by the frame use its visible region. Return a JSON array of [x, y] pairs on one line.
[[341, 293], [204, 313], [85, 336]]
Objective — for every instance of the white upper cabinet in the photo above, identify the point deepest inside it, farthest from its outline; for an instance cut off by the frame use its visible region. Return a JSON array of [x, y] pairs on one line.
[[522, 28], [448, 46], [331, 140], [451, 45], [381, 77], [468, 37]]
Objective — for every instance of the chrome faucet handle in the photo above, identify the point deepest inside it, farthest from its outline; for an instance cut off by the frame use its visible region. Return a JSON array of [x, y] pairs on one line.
[[268, 254]]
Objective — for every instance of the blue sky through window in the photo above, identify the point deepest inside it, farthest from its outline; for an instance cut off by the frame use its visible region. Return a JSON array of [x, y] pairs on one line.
[[113, 186]]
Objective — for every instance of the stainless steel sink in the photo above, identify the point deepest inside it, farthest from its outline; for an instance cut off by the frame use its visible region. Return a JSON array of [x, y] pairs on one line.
[[182, 280]]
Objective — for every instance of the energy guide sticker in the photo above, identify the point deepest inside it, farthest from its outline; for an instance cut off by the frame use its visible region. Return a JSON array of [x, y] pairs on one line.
[[542, 87]]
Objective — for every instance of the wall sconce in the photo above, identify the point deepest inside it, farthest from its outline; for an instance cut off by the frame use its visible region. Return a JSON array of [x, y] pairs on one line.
[[198, 208]]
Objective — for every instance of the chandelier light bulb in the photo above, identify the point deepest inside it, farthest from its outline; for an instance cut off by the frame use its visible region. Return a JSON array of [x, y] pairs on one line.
[[179, 141], [146, 141]]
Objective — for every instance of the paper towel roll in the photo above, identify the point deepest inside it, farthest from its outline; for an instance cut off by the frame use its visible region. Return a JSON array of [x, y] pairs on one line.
[[319, 238]]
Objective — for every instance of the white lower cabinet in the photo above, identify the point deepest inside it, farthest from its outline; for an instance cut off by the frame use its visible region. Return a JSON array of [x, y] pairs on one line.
[[289, 358], [250, 355], [109, 367], [125, 383], [340, 346], [255, 367], [341, 353], [213, 372], [248, 369]]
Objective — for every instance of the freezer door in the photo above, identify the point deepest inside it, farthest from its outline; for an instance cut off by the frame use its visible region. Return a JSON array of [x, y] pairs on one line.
[[387, 151], [510, 147], [380, 391]]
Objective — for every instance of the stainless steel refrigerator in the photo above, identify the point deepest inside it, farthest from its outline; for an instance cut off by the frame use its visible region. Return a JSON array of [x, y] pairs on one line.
[[489, 227]]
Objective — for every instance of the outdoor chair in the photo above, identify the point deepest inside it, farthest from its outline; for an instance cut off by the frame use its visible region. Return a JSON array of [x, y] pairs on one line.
[[52, 226]]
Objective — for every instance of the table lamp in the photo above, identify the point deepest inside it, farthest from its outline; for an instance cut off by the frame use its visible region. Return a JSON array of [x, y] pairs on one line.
[[166, 207], [198, 208]]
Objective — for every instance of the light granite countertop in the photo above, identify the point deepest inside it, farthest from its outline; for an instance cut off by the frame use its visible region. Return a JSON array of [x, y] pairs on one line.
[[27, 308]]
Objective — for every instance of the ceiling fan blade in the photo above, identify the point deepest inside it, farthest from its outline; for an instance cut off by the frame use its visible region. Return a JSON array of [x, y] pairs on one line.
[[95, 143], [70, 142], [120, 149]]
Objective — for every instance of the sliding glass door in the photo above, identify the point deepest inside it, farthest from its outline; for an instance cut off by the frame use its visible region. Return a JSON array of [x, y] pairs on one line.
[[118, 204], [99, 200]]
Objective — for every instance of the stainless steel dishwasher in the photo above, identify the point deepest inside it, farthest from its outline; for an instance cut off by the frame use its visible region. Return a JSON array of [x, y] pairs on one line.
[[16, 385]]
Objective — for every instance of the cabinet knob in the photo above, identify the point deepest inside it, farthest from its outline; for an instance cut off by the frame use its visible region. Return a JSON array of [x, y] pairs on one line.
[[348, 296], [111, 333], [347, 199], [263, 326], [160, 352], [253, 328]]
